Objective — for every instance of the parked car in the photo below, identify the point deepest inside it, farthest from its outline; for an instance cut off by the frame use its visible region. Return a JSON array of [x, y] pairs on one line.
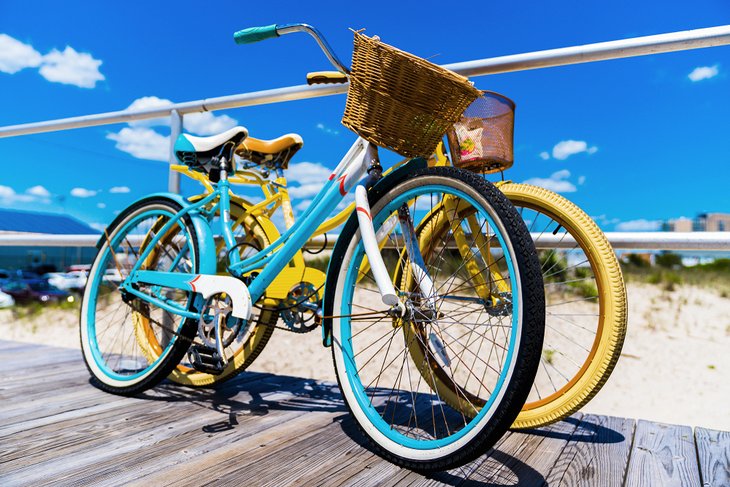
[[67, 281], [112, 275], [6, 300], [35, 290], [85, 268]]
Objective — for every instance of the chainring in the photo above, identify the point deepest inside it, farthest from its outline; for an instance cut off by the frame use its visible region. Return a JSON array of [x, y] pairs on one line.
[[298, 317]]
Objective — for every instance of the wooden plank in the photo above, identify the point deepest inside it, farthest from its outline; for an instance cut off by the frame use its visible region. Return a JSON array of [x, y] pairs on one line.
[[526, 457], [713, 452], [597, 453], [20, 359], [123, 438], [465, 474], [664, 455], [241, 458]]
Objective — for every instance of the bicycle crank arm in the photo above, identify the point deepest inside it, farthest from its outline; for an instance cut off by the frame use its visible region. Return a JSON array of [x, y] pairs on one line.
[[382, 279], [206, 284]]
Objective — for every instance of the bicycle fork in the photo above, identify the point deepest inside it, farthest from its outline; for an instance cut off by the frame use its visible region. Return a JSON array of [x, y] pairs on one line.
[[372, 245]]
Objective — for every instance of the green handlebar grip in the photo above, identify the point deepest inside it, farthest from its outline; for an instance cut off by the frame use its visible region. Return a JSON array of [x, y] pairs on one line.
[[255, 34]]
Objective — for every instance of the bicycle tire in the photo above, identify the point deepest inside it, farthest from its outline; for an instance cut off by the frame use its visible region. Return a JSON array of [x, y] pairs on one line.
[[511, 383], [132, 371], [611, 326]]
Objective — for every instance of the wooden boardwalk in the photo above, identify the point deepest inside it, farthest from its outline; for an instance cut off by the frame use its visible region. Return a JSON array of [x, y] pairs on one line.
[[260, 429]]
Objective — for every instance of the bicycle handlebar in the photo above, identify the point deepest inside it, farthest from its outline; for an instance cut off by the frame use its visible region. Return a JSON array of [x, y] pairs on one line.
[[256, 34]]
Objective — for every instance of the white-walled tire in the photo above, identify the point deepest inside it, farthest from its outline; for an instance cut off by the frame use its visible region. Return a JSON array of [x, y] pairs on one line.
[[110, 321], [381, 381]]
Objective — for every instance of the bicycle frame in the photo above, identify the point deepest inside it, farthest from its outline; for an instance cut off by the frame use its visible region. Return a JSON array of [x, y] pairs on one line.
[[271, 260]]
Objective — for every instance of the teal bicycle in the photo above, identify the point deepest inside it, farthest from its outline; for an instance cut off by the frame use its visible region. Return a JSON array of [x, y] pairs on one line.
[[191, 282]]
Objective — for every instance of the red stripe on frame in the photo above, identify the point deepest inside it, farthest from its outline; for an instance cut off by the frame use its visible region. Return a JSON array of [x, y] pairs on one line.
[[342, 185], [192, 283], [363, 210]]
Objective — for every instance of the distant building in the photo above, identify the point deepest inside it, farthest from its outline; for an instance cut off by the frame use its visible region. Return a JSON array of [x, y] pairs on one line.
[[714, 222], [705, 222], [34, 223]]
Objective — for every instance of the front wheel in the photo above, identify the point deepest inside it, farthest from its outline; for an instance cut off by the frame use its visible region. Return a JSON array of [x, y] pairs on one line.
[[111, 318], [478, 331]]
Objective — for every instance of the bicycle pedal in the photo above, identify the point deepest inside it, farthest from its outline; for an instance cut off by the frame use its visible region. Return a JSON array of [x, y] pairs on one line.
[[205, 359]]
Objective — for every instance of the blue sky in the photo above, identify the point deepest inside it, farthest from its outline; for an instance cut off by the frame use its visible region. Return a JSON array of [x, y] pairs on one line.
[[632, 141]]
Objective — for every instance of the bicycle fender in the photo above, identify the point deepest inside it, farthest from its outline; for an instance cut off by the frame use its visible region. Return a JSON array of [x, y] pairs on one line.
[[338, 253], [206, 245]]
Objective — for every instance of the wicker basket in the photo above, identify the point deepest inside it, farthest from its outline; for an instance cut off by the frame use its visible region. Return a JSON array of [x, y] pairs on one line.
[[402, 102], [482, 140]]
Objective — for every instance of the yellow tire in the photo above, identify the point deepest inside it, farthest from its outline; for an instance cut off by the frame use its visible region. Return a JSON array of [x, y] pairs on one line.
[[581, 349], [602, 335], [253, 341]]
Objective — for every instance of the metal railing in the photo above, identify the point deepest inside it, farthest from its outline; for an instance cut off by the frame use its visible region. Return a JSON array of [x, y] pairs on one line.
[[623, 48], [678, 241]]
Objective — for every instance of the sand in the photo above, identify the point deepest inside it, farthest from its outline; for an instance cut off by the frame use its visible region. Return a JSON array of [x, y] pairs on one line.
[[674, 366]]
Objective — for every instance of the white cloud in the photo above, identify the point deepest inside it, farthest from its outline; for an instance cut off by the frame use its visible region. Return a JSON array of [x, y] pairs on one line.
[[142, 143], [603, 220], [640, 225], [149, 103], [327, 130], [83, 192], [567, 148], [36, 194], [203, 123], [15, 55], [39, 191], [309, 178], [119, 189], [305, 190], [71, 68], [308, 172], [206, 123], [581, 179], [544, 156], [704, 72], [101, 205], [6, 192], [556, 182], [8, 195], [68, 66], [303, 205]]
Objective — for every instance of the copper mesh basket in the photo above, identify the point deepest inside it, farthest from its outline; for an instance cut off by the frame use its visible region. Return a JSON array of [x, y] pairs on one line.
[[402, 102], [482, 140]]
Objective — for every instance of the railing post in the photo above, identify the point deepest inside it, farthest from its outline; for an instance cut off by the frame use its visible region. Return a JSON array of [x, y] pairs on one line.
[[176, 123]]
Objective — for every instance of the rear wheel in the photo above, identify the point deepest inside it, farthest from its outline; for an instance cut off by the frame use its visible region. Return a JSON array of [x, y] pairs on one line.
[[485, 340], [110, 317]]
